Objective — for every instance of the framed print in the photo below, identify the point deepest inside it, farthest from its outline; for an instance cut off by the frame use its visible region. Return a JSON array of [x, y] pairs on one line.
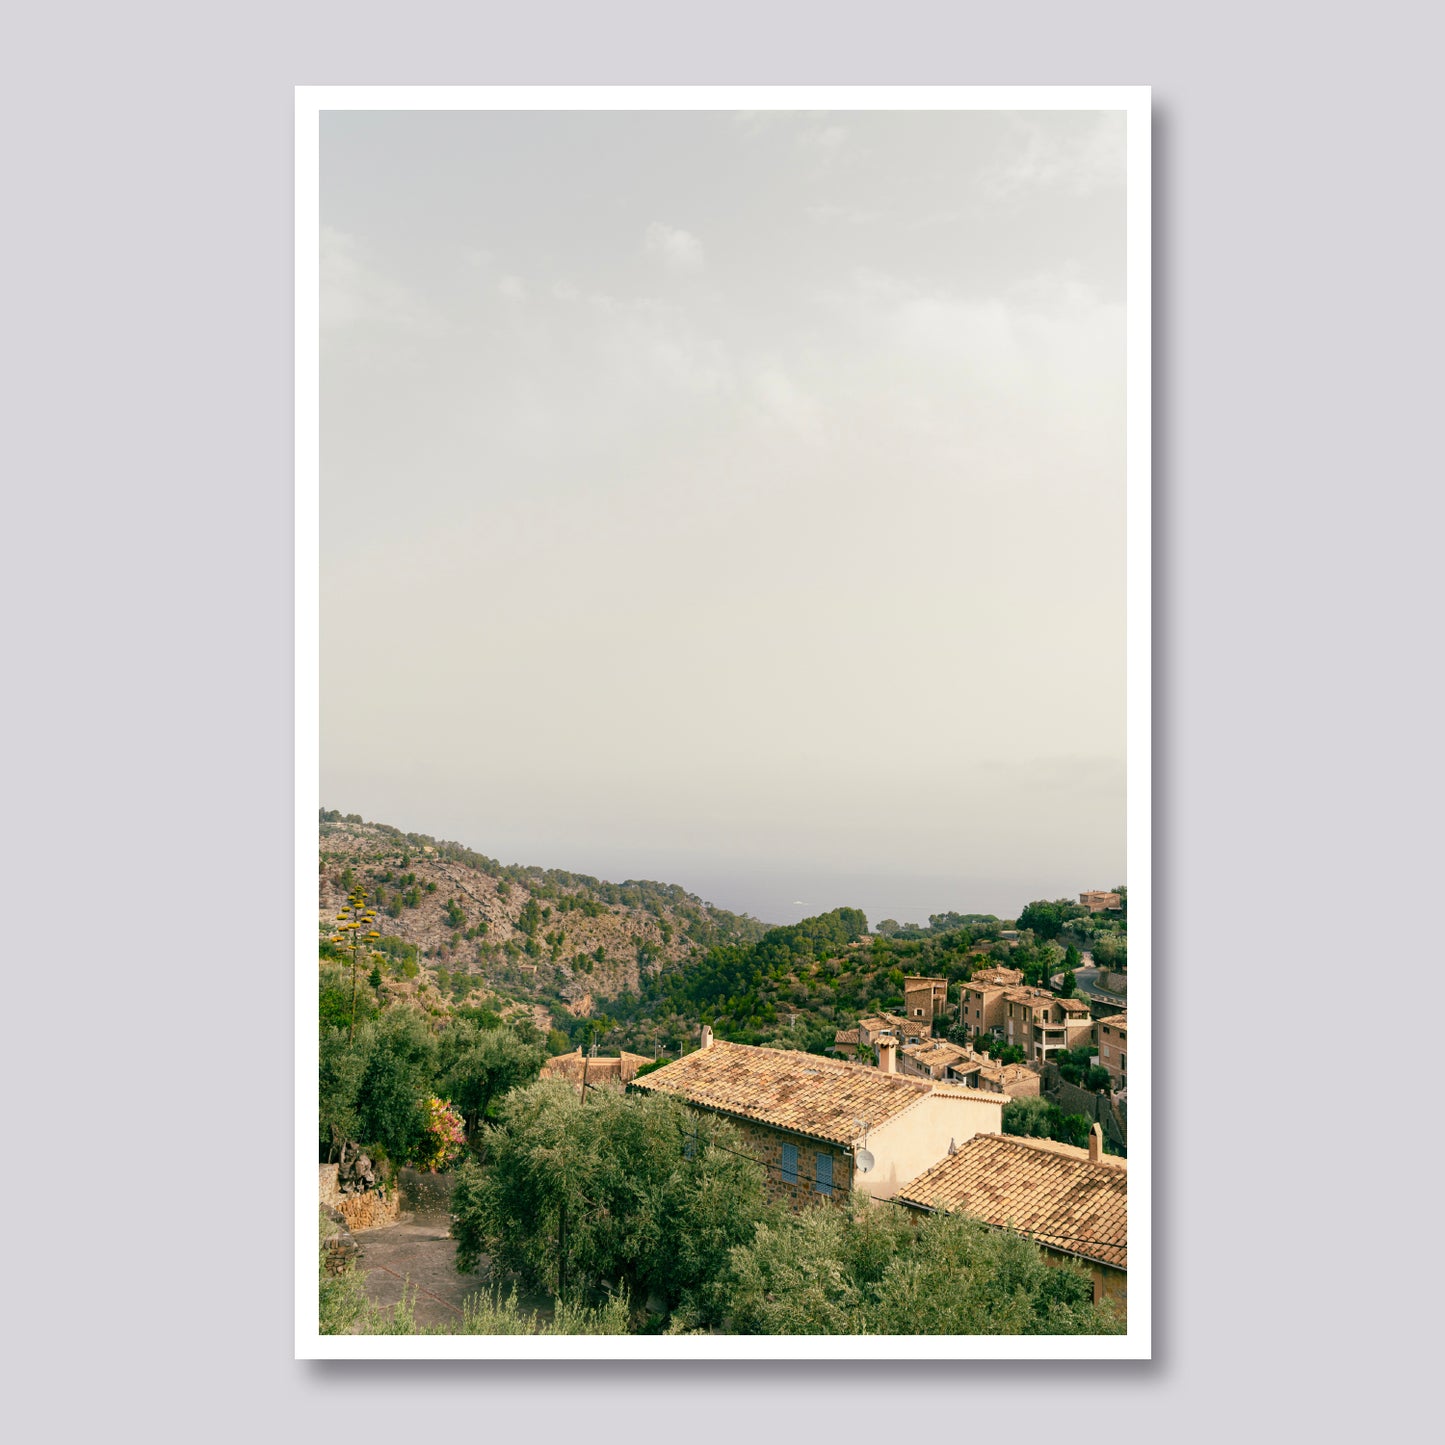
[[723, 722]]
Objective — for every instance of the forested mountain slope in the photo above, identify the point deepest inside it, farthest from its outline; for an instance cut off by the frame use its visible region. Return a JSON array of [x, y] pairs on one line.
[[460, 928], [640, 964]]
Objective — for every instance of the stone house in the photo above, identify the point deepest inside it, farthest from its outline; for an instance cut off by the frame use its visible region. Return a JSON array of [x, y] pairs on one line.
[[931, 1059], [598, 1072], [809, 1119], [1111, 1034], [847, 1042], [1042, 1025], [1096, 900], [1072, 1202], [924, 999], [981, 1008]]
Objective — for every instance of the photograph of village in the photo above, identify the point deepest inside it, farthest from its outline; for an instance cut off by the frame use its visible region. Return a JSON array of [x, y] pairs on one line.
[[729, 506]]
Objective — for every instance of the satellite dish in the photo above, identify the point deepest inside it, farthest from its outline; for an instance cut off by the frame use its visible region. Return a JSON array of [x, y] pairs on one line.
[[864, 1160]]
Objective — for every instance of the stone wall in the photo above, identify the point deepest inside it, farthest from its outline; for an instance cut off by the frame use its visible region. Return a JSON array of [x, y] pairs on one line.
[[1074, 1100], [360, 1211], [768, 1143]]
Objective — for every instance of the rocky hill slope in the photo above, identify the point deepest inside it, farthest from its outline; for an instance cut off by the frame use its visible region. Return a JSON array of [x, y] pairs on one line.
[[459, 927]]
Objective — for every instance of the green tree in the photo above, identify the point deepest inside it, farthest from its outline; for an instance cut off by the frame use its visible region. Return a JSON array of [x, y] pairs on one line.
[[1028, 1117], [342, 1064], [530, 918], [398, 1075], [1046, 919], [631, 1192], [872, 1269], [479, 1065]]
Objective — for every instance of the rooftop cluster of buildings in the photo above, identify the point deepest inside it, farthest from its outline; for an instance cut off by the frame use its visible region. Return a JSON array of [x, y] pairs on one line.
[[827, 1127], [906, 1116]]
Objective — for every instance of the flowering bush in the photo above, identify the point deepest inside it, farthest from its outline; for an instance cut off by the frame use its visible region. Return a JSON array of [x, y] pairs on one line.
[[442, 1136]]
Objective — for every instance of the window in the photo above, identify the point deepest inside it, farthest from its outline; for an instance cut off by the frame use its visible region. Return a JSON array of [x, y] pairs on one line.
[[1123, 1063], [790, 1163], [823, 1174]]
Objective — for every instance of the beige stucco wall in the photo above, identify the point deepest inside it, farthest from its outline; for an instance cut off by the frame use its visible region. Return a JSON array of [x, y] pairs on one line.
[[918, 1138]]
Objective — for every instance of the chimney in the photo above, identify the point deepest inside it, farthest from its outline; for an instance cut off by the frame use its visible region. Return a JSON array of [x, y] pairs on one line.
[[1096, 1143], [888, 1055], [707, 1036]]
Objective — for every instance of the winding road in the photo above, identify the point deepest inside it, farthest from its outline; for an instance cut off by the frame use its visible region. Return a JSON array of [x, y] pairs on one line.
[[1086, 981]]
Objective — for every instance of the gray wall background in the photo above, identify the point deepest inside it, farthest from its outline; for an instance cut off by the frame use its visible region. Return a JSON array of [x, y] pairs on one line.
[[148, 581]]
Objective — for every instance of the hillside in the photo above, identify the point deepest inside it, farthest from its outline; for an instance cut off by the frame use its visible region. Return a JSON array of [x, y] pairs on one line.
[[640, 964], [460, 928]]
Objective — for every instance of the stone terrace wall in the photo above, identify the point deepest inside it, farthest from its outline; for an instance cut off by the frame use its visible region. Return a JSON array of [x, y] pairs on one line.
[[360, 1211], [1074, 1100]]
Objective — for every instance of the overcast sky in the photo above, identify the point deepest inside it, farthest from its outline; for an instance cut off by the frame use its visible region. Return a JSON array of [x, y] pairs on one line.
[[734, 500]]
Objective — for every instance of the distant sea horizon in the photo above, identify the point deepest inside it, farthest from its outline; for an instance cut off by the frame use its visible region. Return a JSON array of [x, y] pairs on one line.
[[779, 893]]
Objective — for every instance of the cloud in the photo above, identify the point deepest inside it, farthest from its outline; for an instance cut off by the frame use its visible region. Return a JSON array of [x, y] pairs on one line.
[[827, 214], [355, 293], [1078, 161], [677, 249], [786, 402], [826, 138]]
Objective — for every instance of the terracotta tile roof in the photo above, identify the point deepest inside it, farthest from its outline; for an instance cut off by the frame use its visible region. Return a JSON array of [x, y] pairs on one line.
[[996, 977], [874, 1022], [1029, 995], [1119, 1021], [846, 1036], [803, 1093], [950, 1090], [1006, 1073], [1072, 1005], [935, 1051], [1035, 1186]]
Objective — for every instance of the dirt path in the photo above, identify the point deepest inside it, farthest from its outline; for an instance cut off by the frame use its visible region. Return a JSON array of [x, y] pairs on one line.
[[421, 1251]]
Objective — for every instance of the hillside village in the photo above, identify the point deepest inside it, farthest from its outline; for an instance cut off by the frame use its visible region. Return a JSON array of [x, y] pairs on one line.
[[476, 1019]]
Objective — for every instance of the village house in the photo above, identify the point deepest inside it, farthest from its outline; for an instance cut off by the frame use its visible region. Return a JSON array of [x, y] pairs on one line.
[[876, 1026], [1041, 1024], [1111, 1036], [972, 1070], [981, 1010], [1072, 1202], [1096, 900], [575, 1067], [1013, 1081], [924, 999], [930, 1059], [810, 1119]]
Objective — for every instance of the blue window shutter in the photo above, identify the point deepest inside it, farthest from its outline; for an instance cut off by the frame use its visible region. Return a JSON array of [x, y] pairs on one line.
[[790, 1163], [824, 1173]]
